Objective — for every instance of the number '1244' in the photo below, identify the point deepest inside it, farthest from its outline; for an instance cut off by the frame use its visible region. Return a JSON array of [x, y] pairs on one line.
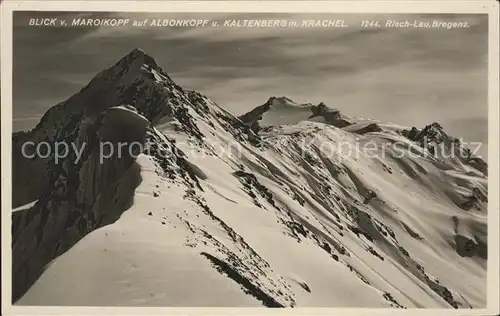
[[370, 23]]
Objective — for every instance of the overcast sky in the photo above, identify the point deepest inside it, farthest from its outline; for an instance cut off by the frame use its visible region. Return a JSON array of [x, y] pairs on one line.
[[407, 76]]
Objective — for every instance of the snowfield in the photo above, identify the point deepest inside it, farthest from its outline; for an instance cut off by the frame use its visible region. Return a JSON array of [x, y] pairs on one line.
[[213, 212]]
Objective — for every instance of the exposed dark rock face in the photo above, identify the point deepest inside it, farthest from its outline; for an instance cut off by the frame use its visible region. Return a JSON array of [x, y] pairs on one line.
[[29, 177], [479, 164], [331, 116], [369, 129], [370, 196], [465, 247], [232, 273], [468, 247], [431, 134], [469, 204], [255, 115], [250, 182], [411, 134]]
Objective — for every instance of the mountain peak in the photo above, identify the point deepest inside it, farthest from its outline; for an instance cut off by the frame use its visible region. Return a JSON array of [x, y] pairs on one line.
[[279, 100], [436, 125], [433, 131], [137, 50]]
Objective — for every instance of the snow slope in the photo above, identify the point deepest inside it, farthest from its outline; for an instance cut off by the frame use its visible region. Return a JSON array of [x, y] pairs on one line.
[[215, 213]]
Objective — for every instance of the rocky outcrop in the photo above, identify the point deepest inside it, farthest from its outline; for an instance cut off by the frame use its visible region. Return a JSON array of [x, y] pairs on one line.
[[77, 198], [411, 134], [255, 115], [478, 164], [331, 116], [251, 119], [29, 177], [467, 245], [327, 115], [370, 128], [440, 144]]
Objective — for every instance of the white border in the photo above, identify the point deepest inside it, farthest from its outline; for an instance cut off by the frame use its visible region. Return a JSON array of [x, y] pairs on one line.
[[489, 7]]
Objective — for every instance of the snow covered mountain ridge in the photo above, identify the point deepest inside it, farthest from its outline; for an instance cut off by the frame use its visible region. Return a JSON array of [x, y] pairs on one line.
[[185, 218]]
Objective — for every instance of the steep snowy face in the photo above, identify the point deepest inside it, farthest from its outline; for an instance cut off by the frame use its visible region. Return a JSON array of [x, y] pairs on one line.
[[215, 211]]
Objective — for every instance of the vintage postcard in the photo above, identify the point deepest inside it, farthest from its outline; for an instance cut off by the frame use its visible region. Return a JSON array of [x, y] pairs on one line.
[[249, 157]]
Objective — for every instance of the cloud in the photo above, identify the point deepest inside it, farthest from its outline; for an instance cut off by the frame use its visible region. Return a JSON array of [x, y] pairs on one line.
[[408, 76]]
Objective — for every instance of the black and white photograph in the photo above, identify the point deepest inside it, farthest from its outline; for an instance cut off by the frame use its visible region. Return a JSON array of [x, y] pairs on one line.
[[249, 159]]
